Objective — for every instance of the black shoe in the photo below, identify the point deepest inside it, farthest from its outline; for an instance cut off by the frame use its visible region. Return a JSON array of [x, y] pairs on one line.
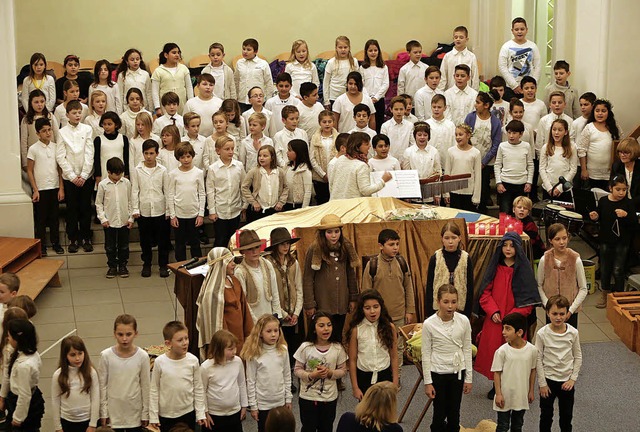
[[294, 389], [492, 393], [123, 271], [204, 239], [43, 252], [57, 249], [87, 246], [73, 247], [146, 271], [164, 272], [112, 272]]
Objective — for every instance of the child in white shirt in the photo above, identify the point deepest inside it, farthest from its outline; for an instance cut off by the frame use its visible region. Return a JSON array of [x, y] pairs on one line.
[[361, 117], [256, 99], [461, 98], [500, 107], [192, 128], [220, 125], [251, 71], [170, 102], [513, 167], [460, 54], [248, 151], [301, 69], [586, 106], [442, 129], [102, 81], [336, 71], [519, 57], [290, 116], [399, 130], [97, 107], [411, 74], [171, 75], [516, 112], [422, 157], [132, 72], [71, 92], [407, 114], [169, 139], [534, 109], [225, 87], [464, 159], [277, 103], [310, 108], [135, 103], [423, 98], [176, 391], [375, 75], [205, 104], [344, 104], [382, 161], [40, 80], [237, 125], [322, 150]]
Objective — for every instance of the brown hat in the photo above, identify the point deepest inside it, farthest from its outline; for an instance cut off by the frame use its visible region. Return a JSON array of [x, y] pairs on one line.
[[248, 240], [330, 221], [278, 236]]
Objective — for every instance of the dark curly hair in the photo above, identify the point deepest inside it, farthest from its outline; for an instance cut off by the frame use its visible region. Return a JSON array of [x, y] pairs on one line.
[[386, 332]]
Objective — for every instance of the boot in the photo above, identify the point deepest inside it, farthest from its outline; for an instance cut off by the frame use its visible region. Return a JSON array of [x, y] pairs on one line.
[[603, 301]]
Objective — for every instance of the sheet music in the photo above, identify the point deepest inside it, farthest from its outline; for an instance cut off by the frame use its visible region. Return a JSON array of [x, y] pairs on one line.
[[404, 184], [203, 269]]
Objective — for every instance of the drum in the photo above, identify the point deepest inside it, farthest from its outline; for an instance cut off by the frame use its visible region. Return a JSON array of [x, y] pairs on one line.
[[572, 220], [550, 214]]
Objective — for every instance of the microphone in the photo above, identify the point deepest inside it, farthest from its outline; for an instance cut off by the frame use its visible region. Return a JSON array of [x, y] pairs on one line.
[[196, 263], [188, 262]]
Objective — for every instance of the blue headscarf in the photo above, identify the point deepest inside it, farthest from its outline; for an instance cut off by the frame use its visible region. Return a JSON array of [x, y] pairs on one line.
[[523, 284]]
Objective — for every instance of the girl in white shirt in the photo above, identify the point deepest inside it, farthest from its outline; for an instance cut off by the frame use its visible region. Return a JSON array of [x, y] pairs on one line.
[[464, 159], [224, 384], [298, 175], [372, 338], [70, 91], [376, 78], [135, 105], [264, 188], [169, 140], [558, 158], [132, 72], [28, 135], [102, 81], [75, 390], [268, 370], [171, 75], [110, 144], [237, 125], [20, 393], [336, 71], [300, 67], [446, 358], [97, 107], [38, 79], [142, 133]]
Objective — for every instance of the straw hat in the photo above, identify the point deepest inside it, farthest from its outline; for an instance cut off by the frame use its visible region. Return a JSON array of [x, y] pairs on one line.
[[248, 240], [330, 221], [279, 236]]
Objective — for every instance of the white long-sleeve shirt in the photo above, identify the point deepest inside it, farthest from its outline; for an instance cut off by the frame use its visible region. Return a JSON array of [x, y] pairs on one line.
[[281, 143], [351, 178], [176, 388], [516, 61], [426, 161], [74, 152], [269, 379], [442, 136], [252, 73], [167, 120], [78, 406], [275, 105], [411, 77], [309, 118], [262, 305], [514, 163], [135, 150], [460, 103], [466, 162], [205, 109], [225, 387], [422, 102], [25, 375], [344, 107], [400, 136], [559, 355], [186, 196], [596, 146], [139, 79], [223, 184], [375, 80], [124, 388], [335, 78], [451, 60], [446, 347], [544, 126], [114, 101], [301, 74], [113, 202], [48, 87], [552, 167], [148, 187], [533, 112]]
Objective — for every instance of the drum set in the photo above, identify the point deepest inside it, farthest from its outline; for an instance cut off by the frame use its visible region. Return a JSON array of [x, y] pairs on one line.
[[553, 213]]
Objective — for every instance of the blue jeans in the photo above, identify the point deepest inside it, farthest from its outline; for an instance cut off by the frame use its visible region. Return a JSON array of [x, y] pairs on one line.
[[516, 418], [613, 258]]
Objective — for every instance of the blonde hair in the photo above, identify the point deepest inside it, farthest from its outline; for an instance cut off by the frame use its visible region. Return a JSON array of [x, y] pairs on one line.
[[378, 407], [346, 40], [187, 117], [630, 145], [252, 347], [221, 141], [221, 340], [258, 117], [145, 118], [524, 201], [297, 44], [94, 95]]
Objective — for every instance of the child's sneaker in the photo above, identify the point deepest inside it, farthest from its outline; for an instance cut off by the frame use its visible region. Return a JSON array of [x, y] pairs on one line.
[[123, 271], [146, 271], [112, 272], [57, 249], [164, 272], [73, 247], [43, 251], [87, 246]]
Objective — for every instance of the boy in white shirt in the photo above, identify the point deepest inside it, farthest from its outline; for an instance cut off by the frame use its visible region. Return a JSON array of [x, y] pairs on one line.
[[74, 154], [256, 99], [224, 197], [534, 109], [407, 113], [290, 116], [399, 130], [170, 102], [249, 146], [423, 97], [310, 108], [361, 114], [513, 168], [124, 379], [411, 74], [251, 71], [176, 391], [185, 202], [205, 104], [277, 103], [459, 55], [443, 131], [225, 87], [113, 206], [500, 107], [47, 185], [461, 97], [149, 183], [382, 161], [423, 158], [341, 148], [586, 106], [192, 123], [561, 74], [519, 57]]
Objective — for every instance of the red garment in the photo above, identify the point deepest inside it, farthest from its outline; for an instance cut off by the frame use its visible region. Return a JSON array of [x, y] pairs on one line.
[[497, 297]]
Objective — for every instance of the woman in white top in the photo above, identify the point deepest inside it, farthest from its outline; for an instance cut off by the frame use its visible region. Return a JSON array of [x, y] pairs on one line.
[[132, 72], [344, 104], [38, 79], [376, 78], [300, 67], [558, 158]]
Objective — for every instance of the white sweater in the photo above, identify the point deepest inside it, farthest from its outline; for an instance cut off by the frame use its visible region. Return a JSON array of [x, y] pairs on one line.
[[596, 147], [269, 379], [78, 406], [516, 61], [552, 167], [559, 355], [514, 163], [225, 387], [351, 178], [466, 162]]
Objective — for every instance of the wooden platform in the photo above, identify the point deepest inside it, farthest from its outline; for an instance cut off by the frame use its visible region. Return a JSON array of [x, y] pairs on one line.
[[623, 312], [23, 257]]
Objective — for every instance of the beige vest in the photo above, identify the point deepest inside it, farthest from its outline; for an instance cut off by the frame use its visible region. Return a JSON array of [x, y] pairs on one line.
[[442, 277]]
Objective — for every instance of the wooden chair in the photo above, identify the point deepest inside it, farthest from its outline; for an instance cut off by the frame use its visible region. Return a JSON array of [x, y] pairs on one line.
[[283, 56], [327, 54], [360, 56], [199, 60], [87, 65], [58, 68], [117, 61], [239, 56], [153, 64]]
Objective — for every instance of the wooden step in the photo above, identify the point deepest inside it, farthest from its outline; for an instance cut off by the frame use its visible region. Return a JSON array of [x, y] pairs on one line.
[[37, 275], [16, 253]]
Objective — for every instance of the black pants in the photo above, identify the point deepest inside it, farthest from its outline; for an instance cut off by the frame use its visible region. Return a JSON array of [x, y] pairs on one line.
[[364, 378], [186, 233], [534, 186], [262, 419], [462, 202], [337, 322], [602, 184], [565, 407], [47, 215], [157, 230], [446, 405], [224, 229], [34, 416], [317, 416], [291, 206], [613, 258], [485, 190], [253, 215], [293, 337], [116, 245], [167, 423], [515, 418], [505, 199], [78, 210], [68, 426], [230, 423], [379, 106], [322, 192], [565, 196]]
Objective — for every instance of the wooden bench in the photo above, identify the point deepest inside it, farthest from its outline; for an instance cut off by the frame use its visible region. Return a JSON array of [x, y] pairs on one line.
[[623, 312], [39, 274]]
